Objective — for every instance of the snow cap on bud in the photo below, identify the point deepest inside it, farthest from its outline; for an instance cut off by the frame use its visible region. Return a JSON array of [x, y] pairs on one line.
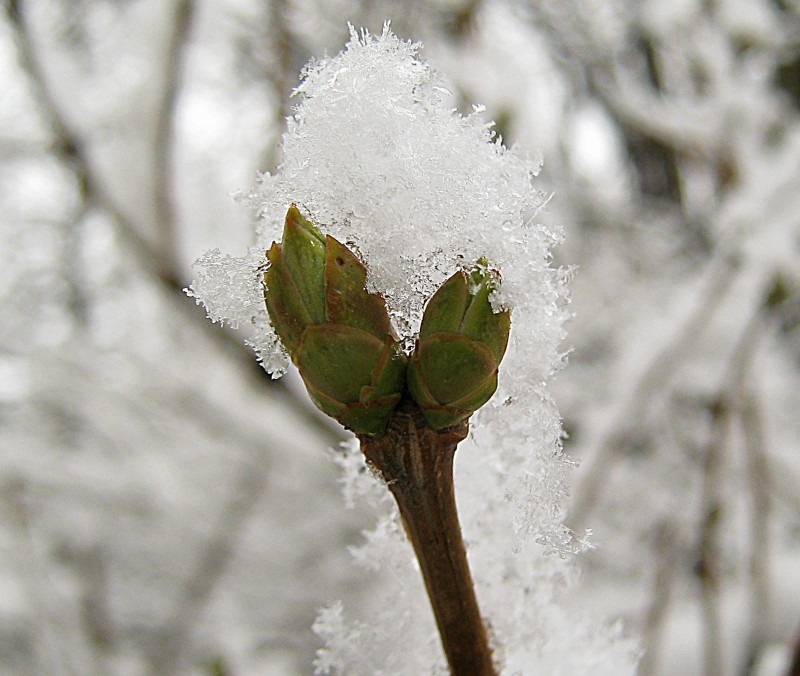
[[338, 335], [453, 371]]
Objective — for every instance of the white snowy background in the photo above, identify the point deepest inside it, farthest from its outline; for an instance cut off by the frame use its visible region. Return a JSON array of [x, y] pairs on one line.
[[168, 509]]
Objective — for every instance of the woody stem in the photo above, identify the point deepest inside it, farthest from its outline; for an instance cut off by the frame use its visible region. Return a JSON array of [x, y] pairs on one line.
[[417, 464]]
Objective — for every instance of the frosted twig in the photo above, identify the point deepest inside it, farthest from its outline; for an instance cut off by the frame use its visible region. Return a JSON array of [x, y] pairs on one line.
[[760, 479], [71, 149], [794, 665], [164, 137], [51, 653], [707, 566], [633, 411], [673, 123], [758, 471], [95, 617], [785, 484], [211, 564], [664, 546], [281, 75], [725, 406]]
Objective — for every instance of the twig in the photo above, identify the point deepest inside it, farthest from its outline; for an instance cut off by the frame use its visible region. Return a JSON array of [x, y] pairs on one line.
[[417, 464], [280, 75], [71, 149], [664, 545], [632, 413], [51, 621], [164, 139], [175, 636], [758, 472], [707, 565], [724, 408], [794, 666], [785, 484]]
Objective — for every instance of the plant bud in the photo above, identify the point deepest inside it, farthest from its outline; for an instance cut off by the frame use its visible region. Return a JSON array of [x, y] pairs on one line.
[[453, 371], [338, 335]]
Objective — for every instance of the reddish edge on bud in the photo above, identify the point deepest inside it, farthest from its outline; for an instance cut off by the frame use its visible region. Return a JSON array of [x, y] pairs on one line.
[[338, 335], [453, 370]]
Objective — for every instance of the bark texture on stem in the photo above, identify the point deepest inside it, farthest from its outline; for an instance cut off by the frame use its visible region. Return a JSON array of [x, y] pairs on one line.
[[417, 464]]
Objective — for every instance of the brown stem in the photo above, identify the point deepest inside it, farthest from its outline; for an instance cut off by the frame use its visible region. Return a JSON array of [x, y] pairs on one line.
[[417, 464]]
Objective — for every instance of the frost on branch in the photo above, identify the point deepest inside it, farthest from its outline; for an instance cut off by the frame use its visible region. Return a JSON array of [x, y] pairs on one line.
[[375, 156]]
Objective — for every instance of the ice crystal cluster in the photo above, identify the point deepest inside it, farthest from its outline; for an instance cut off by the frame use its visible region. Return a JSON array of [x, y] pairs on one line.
[[375, 155]]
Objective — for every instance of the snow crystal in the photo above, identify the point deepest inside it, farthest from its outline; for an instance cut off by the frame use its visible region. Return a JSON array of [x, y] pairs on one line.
[[228, 287]]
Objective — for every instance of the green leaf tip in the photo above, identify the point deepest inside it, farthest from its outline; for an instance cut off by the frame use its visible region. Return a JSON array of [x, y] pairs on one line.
[[453, 370], [337, 333]]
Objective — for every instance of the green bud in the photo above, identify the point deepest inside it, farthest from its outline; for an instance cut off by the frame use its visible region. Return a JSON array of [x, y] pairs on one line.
[[338, 335], [453, 371], [295, 280]]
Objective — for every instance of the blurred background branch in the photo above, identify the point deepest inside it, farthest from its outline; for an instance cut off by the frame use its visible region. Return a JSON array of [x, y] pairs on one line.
[[169, 509]]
